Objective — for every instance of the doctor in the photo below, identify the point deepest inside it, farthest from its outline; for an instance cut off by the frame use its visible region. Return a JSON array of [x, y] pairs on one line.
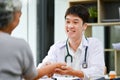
[[84, 56]]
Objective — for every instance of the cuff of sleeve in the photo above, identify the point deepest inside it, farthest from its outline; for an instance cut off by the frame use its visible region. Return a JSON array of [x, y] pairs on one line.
[[39, 65], [30, 75], [86, 77]]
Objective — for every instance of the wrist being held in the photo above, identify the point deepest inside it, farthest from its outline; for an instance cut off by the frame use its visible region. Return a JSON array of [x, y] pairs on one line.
[[67, 70], [59, 65]]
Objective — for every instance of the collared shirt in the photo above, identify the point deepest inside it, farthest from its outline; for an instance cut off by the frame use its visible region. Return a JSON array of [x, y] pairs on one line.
[[77, 56], [94, 58]]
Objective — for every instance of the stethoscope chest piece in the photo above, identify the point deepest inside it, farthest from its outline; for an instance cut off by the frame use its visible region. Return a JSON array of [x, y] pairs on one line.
[[84, 65]]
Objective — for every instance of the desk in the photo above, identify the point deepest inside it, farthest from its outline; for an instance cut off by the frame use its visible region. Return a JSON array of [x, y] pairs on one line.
[[108, 78], [61, 78], [46, 79]]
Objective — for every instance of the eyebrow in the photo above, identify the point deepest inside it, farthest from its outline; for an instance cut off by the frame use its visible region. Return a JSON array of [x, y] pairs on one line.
[[73, 19]]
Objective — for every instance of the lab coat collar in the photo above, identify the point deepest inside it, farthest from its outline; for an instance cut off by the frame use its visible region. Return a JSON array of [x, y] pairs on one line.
[[62, 44], [84, 42]]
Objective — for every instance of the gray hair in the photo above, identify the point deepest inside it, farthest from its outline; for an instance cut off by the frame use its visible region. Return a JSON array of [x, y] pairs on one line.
[[7, 9], [11, 5]]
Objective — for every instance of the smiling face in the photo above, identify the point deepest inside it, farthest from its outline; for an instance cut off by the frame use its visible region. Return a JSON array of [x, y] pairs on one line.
[[74, 26]]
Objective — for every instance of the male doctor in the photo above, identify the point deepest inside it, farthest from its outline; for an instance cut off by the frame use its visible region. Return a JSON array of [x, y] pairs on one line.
[[84, 56]]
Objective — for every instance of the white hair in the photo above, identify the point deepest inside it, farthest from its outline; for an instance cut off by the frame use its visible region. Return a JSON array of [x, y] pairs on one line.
[[7, 9], [12, 5]]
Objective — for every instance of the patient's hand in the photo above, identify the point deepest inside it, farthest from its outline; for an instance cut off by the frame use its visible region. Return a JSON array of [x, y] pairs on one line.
[[48, 69], [50, 74], [64, 70], [53, 67]]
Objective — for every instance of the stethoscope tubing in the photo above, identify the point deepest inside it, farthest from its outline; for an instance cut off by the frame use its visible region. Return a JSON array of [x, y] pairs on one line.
[[68, 54], [84, 65]]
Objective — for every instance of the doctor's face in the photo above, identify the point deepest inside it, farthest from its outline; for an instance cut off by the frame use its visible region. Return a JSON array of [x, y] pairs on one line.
[[74, 26]]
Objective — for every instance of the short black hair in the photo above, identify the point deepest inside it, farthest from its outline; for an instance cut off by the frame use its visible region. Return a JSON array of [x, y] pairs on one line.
[[78, 10]]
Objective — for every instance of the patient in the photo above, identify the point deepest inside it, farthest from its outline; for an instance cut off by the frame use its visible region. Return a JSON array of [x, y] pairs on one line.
[[16, 59]]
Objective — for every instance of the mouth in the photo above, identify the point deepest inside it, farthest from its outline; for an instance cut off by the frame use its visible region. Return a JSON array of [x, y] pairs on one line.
[[70, 31]]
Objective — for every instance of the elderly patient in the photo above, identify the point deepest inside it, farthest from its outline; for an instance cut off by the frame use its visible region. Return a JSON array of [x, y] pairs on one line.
[[16, 60]]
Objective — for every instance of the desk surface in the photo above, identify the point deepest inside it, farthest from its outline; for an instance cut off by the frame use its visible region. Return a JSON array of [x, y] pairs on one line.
[[60, 78], [46, 79]]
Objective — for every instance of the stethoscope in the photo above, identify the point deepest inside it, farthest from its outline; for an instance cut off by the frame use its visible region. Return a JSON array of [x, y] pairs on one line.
[[84, 64]]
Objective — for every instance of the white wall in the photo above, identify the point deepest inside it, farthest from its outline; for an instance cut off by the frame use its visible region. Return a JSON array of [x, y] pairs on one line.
[[32, 27], [27, 26], [98, 32], [60, 8], [21, 30]]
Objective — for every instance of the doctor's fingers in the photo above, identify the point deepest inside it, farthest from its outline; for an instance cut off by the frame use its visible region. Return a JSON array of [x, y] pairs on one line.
[[66, 71], [66, 67], [59, 65], [60, 71]]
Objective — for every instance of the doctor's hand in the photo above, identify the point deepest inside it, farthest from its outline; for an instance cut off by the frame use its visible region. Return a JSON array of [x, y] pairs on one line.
[[64, 70], [67, 70]]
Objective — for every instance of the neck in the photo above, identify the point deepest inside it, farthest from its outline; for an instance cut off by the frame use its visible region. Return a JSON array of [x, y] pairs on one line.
[[74, 43], [6, 31]]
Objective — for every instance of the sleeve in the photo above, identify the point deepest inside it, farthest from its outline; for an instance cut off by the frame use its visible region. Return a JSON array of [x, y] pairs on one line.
[[96, 63], [29, 69], [50, 58]]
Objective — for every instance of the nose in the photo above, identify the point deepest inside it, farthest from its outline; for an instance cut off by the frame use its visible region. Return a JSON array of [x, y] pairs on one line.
[[70, 25]]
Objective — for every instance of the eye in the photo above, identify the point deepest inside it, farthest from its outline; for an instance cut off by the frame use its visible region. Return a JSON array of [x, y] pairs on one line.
[[67, 22], [75, 22]]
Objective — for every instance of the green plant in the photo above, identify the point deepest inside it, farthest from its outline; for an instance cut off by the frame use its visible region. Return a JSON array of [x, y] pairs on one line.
[[93, 12]]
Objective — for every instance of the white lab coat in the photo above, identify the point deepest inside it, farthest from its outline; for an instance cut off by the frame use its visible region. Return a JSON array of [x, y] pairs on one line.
[[95, 57]]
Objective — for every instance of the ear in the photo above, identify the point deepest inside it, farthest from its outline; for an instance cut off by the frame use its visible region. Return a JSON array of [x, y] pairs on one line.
[[84, 26]]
